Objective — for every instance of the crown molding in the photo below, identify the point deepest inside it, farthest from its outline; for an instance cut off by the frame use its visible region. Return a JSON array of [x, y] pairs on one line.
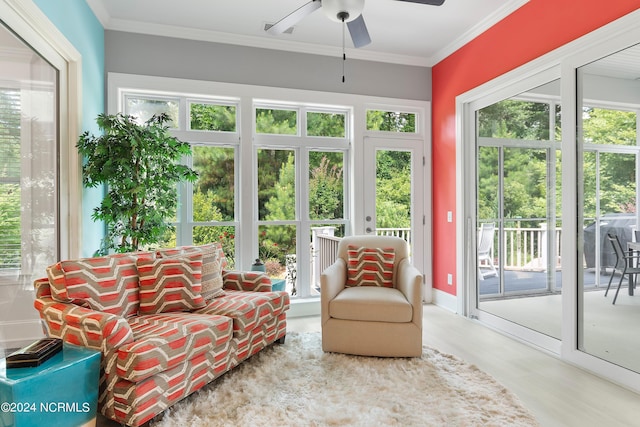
[[314, 49], [259, 42], [478, 29], [100, 12]]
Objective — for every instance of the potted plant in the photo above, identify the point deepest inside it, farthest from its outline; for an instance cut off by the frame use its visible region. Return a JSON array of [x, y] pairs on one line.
[[139, 165]]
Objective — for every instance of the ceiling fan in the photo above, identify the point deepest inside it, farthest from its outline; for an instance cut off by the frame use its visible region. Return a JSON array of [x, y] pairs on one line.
[[346, 11]]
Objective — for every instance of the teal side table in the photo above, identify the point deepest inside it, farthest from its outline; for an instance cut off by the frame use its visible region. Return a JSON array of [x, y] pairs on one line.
[[278, 284], [63, 391]]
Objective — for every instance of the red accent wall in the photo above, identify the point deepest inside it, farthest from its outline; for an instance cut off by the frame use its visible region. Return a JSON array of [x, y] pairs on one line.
[[536, 28]]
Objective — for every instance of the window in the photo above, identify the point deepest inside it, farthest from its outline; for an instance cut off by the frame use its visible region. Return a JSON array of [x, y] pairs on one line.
[[10, 171], [28, 161], [518, 164], [275, 172], [145, 107], [391, 121], [301, 188], [213, 198], [276, 121], [326, 124], [212, 117]]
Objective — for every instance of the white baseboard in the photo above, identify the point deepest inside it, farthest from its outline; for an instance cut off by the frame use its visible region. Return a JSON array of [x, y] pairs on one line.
[[304, 307], [445, 300]]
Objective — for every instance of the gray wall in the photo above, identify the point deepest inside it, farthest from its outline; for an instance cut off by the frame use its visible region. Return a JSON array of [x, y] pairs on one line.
[[197, 60]]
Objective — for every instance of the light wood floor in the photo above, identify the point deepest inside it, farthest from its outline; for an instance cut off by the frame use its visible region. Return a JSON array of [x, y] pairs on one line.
[[558, 394]]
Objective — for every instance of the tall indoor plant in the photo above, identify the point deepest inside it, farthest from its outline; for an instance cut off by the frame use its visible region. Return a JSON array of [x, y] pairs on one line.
[[139, 165]]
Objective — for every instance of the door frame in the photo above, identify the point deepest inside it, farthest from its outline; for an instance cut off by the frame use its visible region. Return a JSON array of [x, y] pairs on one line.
[[419, 221], [467, 290]]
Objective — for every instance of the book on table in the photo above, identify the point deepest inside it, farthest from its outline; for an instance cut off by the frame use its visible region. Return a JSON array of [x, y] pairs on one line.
[[35, 353]]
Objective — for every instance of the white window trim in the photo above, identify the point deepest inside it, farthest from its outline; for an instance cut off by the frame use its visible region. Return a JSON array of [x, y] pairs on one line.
[[247, 97]]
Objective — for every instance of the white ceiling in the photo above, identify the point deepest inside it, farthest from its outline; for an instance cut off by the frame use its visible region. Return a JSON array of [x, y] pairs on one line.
[[401, 32]]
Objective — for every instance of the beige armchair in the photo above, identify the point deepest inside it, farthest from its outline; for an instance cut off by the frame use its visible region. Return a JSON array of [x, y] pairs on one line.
[[372, 320]]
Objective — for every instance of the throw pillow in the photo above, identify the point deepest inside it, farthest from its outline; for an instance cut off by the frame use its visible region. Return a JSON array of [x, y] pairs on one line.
[[211, 269], [370, 266], [108, 284], [170, 284]]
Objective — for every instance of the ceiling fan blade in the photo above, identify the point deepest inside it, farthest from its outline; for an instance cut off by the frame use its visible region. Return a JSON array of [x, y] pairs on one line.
[[358, 31], [294, 17], [429, 2]]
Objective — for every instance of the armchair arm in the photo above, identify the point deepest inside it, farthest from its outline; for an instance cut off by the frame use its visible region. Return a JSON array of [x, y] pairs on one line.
[[332, 281], [409, 282], [255, 281], [82, 326]]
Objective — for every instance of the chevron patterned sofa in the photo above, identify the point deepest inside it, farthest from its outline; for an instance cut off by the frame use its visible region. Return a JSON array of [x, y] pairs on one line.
[[167, 322]]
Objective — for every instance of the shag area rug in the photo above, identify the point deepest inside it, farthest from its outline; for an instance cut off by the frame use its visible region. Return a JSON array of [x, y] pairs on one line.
[[296, 384]]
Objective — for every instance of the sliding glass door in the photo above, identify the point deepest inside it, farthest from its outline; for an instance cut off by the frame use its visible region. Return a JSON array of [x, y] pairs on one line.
[[609, 158], [517, 184], [29, 179], [550, 204]]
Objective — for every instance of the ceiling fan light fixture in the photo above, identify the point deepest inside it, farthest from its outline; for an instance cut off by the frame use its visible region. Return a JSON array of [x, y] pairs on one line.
[[336, 9]]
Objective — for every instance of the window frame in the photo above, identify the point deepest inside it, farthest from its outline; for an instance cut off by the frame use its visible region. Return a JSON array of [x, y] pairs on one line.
[[249, 95], [30, 23]]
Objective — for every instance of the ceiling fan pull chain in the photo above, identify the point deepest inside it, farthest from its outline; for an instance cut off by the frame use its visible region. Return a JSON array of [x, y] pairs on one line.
[[344, 55]]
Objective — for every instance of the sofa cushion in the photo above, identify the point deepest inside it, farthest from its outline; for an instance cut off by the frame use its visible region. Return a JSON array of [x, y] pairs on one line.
[[371, 304], [170, 284], [164, 341], [370, 266], [108, 284], [248, 310], [246, 281], [212, 264]]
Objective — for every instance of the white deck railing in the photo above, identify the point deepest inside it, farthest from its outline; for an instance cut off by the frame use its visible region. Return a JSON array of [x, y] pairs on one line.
[[524, 248], [527, 248]]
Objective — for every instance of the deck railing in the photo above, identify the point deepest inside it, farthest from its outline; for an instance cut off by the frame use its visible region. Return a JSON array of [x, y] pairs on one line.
[[525, 248], [528, 248]]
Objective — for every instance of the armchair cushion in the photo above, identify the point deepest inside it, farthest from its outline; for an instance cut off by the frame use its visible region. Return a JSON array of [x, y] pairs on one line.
[[370, 266], [107, 284], [371, 304], [171, 284]]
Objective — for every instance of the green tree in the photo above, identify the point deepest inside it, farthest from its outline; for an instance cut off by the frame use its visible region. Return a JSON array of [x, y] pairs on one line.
[[216, 177], [269, 165], [211, 117], [281, 122], [139, 166], [10, 174], [393, 189], [515, 119], [326, 189], [617, 170], [281, 206], [391, 121], [326, 124]]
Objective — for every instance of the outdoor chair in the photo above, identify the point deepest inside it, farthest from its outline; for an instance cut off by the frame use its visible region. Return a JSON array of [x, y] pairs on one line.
[[485, 245], [371, 299], [624, 262]]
